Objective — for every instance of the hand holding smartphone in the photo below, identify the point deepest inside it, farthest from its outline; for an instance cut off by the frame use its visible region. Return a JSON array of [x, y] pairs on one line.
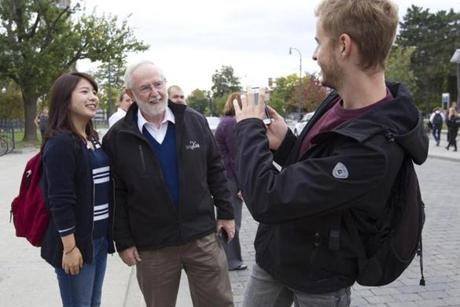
[[254, 94]]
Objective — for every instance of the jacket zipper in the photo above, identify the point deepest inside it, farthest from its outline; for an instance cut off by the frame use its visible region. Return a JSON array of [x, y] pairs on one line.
[[144, 167]]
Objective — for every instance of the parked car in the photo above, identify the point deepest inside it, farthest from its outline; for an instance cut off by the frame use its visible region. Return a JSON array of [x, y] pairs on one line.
[[213, 121], [302, 123]]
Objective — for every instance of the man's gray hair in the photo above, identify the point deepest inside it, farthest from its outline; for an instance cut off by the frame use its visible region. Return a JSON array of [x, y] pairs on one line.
[[132, 67], [174, 87]]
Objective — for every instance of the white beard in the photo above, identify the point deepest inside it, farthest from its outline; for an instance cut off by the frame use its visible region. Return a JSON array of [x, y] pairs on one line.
[[153, 110]]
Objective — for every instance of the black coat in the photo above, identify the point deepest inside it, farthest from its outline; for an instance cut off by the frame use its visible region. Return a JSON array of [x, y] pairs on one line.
[[351, 168], [145, 215]]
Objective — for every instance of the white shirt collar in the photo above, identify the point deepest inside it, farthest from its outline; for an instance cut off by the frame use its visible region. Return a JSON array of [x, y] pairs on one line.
[[141, 121]]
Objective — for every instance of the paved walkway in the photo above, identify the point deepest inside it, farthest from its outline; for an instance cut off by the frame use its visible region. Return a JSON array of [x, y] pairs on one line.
[[26, 280]]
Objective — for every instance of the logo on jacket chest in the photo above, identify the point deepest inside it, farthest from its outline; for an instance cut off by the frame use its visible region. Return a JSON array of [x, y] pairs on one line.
[[340, 171], [192, 145]]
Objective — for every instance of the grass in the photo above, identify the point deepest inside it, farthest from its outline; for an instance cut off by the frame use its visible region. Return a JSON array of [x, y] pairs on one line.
[[18, 138]]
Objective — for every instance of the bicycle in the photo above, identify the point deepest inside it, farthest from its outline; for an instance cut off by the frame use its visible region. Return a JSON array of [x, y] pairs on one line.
[[6, 143], [3, 146]]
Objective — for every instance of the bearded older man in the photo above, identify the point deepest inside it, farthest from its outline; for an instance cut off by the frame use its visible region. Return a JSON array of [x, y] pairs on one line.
[[168, 177]]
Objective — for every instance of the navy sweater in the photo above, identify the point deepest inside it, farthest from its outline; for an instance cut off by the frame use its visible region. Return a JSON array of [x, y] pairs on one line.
[[166, 154]]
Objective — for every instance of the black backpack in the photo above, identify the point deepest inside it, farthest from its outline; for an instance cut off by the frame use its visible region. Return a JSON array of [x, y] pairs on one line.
[[437, 120], [400, 236]]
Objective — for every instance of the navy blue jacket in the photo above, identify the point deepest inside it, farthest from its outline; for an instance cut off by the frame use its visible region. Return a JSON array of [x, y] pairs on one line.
[[69, 197]]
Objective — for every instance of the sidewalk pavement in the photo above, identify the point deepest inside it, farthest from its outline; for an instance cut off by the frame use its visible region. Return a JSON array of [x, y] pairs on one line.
[[26, 280]]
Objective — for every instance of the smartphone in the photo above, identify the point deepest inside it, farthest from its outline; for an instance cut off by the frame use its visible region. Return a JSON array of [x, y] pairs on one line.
[[254, 95]]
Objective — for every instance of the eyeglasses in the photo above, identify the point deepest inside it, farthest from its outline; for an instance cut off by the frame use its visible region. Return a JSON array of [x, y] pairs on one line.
[[178, 96], [147, 88]]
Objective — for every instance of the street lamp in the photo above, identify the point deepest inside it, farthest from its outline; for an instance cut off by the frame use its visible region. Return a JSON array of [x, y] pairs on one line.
[[300, 73], [456, 59]]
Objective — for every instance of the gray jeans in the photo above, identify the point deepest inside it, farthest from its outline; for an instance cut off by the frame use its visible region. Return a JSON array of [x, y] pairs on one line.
[[264, 291]]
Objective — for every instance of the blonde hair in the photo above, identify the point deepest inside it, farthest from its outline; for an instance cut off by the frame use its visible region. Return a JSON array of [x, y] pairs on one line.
[[229, 109], [371, 24]]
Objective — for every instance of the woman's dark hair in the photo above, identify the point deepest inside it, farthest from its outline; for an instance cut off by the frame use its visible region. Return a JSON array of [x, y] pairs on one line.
[[59, 119]]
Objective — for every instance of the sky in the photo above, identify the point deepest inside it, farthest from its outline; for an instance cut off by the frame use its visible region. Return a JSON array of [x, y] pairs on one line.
[[190, 40]]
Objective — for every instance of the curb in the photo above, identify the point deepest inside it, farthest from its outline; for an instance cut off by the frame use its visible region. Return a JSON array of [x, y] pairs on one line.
[[438, 157]]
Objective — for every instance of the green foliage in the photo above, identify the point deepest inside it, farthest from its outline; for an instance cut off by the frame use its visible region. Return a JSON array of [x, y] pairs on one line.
[[39, 41], [109, 77], [224, 82], [218, 105], [398, 67], [11, 106], [310, 94], [434, 37], [282, 93], [290, 96], [199, 101]]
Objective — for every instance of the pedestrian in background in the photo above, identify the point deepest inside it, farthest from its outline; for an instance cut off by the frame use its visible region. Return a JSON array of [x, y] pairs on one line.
[[176, 94], [77, 192], [123, 104], [41, 122], [453, 122], [225, 138], [437, 120]]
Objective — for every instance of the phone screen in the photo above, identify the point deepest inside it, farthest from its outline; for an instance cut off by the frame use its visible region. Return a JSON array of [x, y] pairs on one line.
[[254, 95]]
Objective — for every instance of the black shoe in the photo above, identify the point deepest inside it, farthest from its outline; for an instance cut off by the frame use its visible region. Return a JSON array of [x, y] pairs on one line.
[[241, 267], [447, 147]]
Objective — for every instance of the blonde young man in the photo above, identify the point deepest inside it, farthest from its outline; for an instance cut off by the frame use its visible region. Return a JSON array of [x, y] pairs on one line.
[[124, 102], [344, 162], [169, 179]]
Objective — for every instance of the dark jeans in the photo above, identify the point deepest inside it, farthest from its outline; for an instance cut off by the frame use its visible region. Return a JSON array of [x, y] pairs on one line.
[[233, 248], [85, 289], [437, 134], [453, 131]]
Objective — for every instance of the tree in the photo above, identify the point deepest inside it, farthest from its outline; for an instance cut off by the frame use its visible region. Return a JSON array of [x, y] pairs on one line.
[[313, 93], [398, 67], [199, 101], [10, 101], [288, 95], [39, 41], [434, 38], [282, 93], [224, 82], [109, 77]]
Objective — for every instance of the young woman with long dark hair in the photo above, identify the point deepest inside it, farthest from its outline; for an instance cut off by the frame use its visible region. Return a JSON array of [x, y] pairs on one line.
[[77, 192]]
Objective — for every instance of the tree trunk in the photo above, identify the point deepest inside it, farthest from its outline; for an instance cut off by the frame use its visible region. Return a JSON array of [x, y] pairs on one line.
[[30, 112]]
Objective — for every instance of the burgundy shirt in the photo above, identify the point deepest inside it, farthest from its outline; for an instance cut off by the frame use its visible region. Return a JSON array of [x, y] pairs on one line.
[[335, 116]]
